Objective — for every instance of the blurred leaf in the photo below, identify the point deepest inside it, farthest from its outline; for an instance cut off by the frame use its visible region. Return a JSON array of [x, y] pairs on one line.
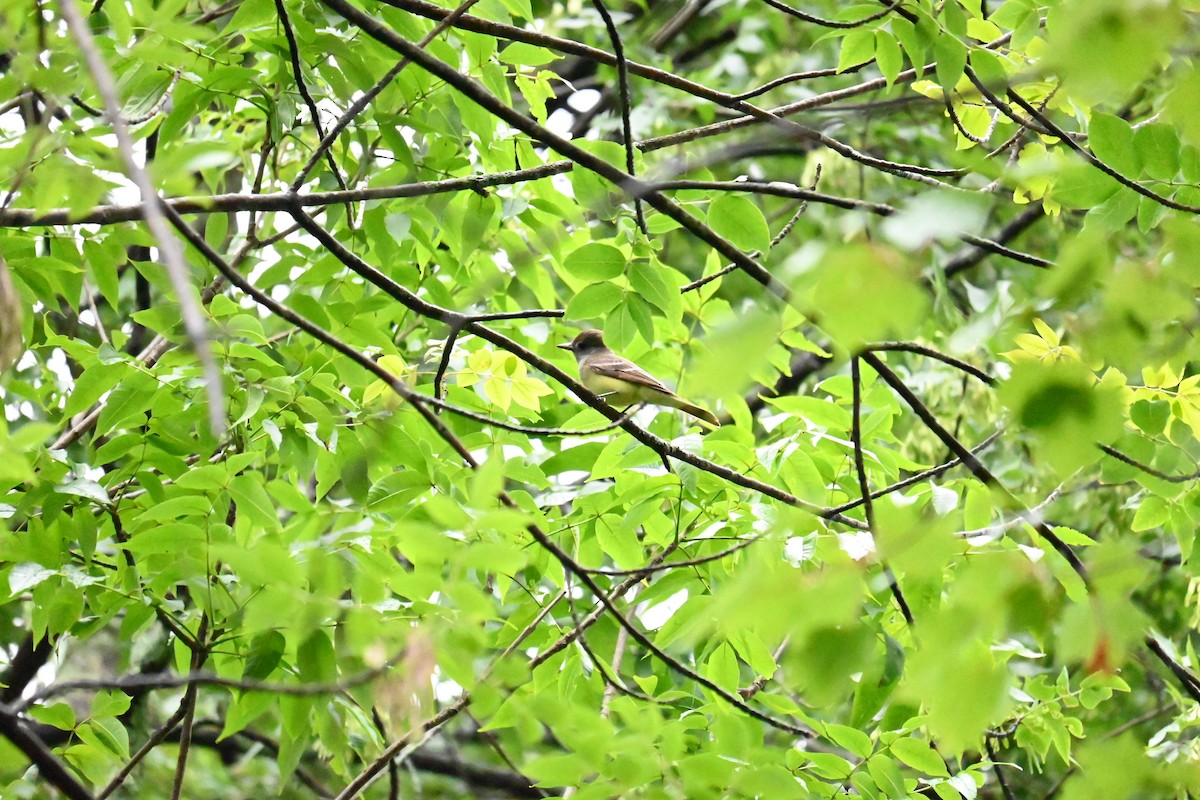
[[892, 308]]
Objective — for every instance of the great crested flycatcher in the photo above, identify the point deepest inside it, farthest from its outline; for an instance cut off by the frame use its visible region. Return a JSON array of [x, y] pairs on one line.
[[621, 381]]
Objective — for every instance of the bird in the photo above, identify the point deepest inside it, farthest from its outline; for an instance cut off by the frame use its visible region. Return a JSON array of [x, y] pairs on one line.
[[623, 382]]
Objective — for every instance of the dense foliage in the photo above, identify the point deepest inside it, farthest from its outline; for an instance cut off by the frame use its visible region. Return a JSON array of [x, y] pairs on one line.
[[302, 500]]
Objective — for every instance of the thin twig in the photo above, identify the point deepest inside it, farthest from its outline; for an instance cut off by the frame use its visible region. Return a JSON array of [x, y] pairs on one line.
[[779, 237], [623, 103], [864, 486], [1146, 468], [994, 758], [1088, 156], [365, 99], [298, 75], [919, 477], [968, 458], [782, 189], [832, 23], [920, 349], [156, 738], [196, 678]]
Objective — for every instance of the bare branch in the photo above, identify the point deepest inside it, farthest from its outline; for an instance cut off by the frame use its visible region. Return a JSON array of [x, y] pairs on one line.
[[193, 317]]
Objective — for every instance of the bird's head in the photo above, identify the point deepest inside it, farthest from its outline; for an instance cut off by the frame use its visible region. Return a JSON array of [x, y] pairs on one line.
[[586, 342]]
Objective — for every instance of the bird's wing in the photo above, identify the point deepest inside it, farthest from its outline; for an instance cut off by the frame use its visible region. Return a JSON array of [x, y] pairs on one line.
[[623, 369]]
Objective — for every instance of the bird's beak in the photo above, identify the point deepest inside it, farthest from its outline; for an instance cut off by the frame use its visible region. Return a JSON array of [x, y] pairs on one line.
[[563, 346]]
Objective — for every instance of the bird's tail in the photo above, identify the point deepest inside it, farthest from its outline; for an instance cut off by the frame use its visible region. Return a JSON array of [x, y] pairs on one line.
[[696, 411]]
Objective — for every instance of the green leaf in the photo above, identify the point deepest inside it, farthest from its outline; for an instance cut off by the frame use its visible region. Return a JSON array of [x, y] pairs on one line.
[[24, 577], [1150, 415], [858, 47], [619, 542], [740, 221], [177, 537], [1111, 139], [1157, 146], [1066, 410], [893, 308], [265, 653], [920, 756], [1083, 186], [887, 777], [110, 704], [951, 55], [59, 715], [251, 496], [1132, 38], [82, 487], [131, 398], [520, 54], [857, 742], [594, 301], [888, 56], [595, 261], [651, 283], [556, 770], [107, 734], [316, 659], [1183, 106], [1151, 513], [95, 381], [722, 668]]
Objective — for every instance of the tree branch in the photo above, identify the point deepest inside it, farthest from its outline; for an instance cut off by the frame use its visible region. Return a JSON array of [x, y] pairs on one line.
[[193, 317]]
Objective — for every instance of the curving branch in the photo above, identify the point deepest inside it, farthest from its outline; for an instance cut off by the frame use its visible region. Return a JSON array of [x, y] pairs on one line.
[[832, 23], [972, 463], [929, 352], [863, 484], [302, 85], [783, 189], [1146, 468], [1091, 158], [362, 101], [623, 102]]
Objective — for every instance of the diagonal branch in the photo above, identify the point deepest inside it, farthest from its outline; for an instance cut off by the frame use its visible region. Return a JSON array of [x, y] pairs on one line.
[[623, 102], [366, 97], [298, 75], [193, 317], [832, 23], [864, 486], [51, 769], [968, 458]]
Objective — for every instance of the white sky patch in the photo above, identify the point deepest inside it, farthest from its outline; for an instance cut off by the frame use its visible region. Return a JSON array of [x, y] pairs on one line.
[[503, 262], [656, 616], [560, 122], [584, 100], [858, 545], [800, 549], [446, 690], [562, 182], [57, 363]]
